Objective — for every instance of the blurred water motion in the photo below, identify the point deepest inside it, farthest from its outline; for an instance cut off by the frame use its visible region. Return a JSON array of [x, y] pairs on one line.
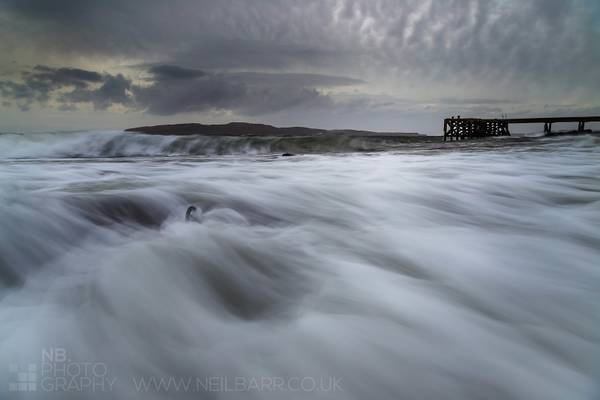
[[422, 272]]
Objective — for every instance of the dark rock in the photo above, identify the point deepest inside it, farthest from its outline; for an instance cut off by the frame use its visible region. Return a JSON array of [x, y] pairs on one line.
[[189, 213]]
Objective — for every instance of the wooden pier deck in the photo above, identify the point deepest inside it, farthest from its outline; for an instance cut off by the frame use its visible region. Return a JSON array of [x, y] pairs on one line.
[[469, 128]]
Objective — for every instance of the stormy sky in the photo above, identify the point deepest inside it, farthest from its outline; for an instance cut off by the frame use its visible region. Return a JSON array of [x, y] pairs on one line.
[[396, 65]]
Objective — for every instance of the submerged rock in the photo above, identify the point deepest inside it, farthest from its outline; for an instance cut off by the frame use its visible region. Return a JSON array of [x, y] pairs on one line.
[[189, 213]]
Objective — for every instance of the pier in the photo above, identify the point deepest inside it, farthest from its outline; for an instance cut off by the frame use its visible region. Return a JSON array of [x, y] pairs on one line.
[[470, 128]]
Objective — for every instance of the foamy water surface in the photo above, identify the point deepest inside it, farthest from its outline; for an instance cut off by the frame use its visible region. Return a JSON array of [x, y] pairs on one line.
[[455, 271]]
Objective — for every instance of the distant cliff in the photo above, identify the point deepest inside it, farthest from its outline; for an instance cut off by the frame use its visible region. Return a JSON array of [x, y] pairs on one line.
[[248, 129]]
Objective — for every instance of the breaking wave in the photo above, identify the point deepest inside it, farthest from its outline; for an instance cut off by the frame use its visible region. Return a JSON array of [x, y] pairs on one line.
[[121, 144]]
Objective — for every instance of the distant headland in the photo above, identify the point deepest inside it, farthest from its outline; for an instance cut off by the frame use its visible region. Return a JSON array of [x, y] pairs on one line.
[[249, 129]]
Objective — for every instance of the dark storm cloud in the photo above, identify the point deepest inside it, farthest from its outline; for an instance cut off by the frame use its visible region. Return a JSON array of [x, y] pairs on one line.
[[114, 90], [216, 92], [179, 90], [38, 83], [173, 89], [175, 72], [68, 86], [165, 72], [63, 76]]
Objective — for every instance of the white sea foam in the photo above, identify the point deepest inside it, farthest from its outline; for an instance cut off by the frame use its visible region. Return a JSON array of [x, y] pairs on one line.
[[451, 273]]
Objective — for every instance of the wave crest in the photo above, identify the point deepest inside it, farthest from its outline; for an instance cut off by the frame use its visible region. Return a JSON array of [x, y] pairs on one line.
[[121, 144]]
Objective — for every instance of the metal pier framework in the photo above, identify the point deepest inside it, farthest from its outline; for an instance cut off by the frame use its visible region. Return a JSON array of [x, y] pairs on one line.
[[470, 128]]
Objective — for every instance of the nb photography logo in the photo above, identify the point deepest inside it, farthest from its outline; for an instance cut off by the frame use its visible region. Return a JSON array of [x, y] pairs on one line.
[[25, 379], [56, 372]]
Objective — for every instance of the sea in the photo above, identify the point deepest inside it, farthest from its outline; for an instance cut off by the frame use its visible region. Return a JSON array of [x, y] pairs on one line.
[[356, 268]]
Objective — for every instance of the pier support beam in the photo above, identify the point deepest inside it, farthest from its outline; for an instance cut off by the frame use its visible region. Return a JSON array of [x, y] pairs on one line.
[[471, 128], [457, 128]]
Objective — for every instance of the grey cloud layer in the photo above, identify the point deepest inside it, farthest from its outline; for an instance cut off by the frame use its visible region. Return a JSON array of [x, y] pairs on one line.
[[532, 48], [172, 89], [434, 36]]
